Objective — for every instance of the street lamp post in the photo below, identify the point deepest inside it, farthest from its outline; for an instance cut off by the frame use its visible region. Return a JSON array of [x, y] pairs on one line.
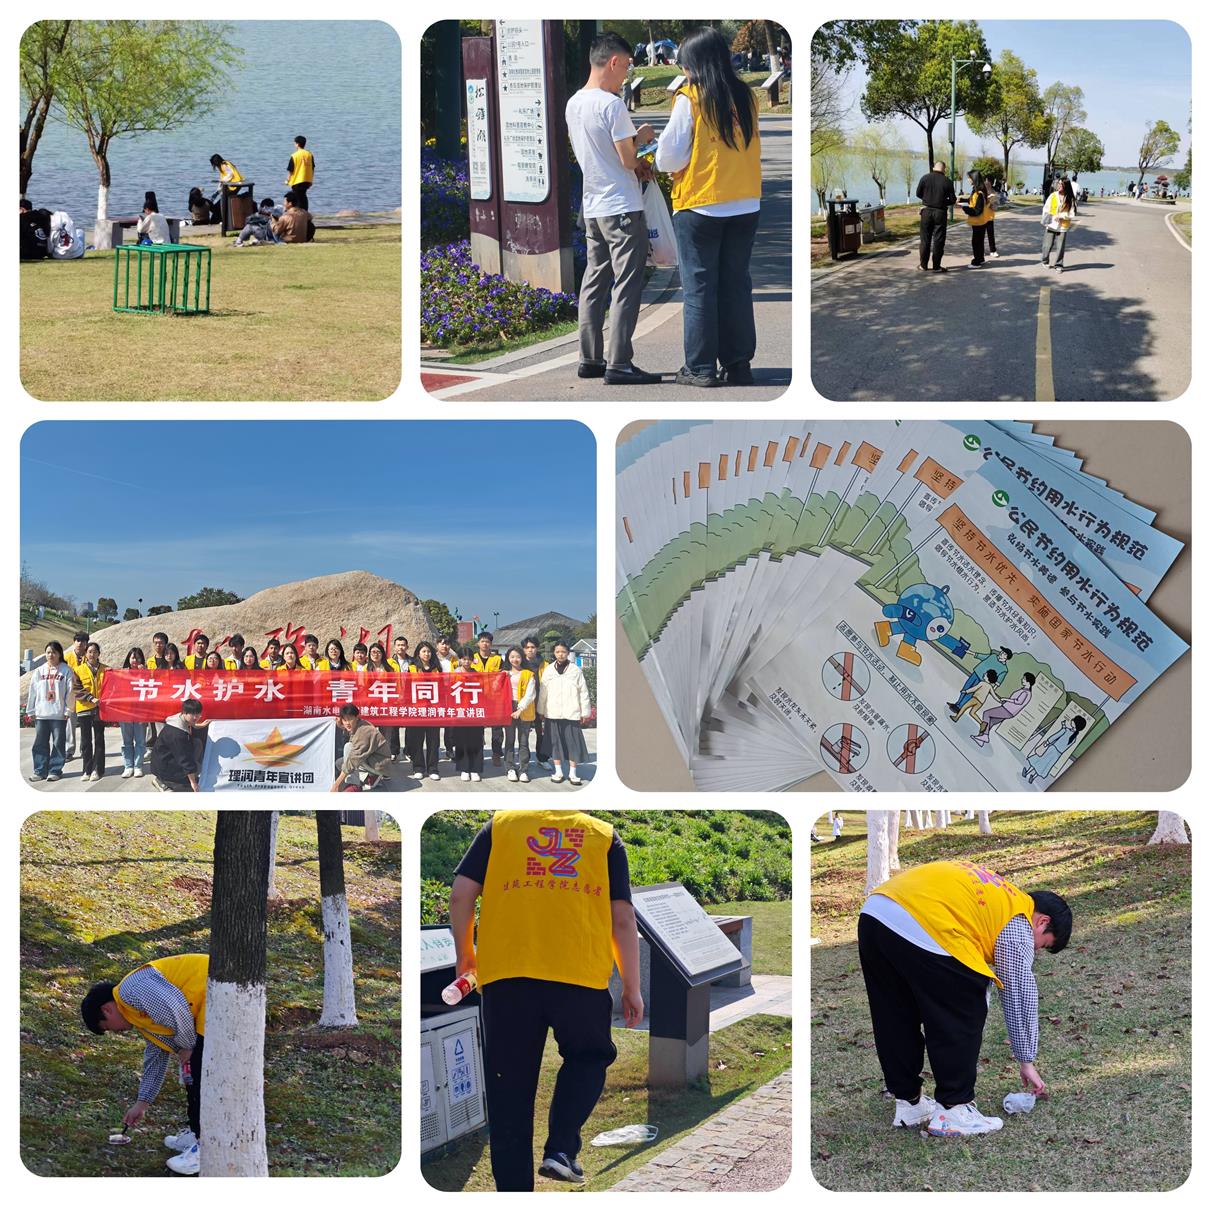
[[954, 65]]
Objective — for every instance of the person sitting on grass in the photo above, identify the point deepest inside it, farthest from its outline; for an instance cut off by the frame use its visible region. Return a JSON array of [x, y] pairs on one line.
[[295, 225], [259, 228], [929, 939], [201, 209], [176, 758], [164, 1001], [367, 754]]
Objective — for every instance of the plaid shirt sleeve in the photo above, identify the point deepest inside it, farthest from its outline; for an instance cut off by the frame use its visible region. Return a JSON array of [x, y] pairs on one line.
[[149, 992], [1014, 960]]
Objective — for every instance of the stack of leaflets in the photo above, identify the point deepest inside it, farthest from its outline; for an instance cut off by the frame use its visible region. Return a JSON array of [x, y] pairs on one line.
[[916, 605]]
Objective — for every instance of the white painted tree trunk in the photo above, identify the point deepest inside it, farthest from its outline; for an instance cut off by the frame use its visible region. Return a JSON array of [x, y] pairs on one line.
[[371, 826], [878, 868], [340, 1009], [233, 1081], [274, 893], [1169, 829], [919, 817], [943, 818], [908, 819], [969, 814], [101, 235], [985, 823], [893, 840], [928, 818]]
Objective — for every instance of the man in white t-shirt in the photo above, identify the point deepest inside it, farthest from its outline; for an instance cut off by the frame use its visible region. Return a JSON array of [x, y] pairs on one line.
[[605, 142]]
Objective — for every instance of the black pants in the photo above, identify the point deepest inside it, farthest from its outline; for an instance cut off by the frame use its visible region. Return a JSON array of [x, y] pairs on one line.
[[497, 742], [193, 1092], [977, 236], [516, 1015], [541, 739], [92, 741], [395, 740], [424, 747], [467, 743], [932, 235], [300, 194], [991, 235], [910, 989]]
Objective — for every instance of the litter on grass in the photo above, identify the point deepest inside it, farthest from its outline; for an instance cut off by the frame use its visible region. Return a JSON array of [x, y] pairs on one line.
[[624, 1135], [117, 1138], [1019, 1102]]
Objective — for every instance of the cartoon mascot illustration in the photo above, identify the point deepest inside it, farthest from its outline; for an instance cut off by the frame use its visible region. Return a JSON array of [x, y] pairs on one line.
[[922, 612]]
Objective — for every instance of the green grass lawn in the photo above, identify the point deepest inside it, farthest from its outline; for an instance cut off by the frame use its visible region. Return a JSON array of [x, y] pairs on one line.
[[771, 932], [289, 322], [902, 223], [1184, 220], [743, 1057], [1115, 1012], [657, 79], [102, 892]]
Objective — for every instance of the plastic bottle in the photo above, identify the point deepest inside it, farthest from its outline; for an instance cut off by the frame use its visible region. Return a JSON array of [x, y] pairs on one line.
[[460, 988]]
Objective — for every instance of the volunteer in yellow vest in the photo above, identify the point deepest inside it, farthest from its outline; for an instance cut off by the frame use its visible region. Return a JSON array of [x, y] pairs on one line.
[[929, 939], [485, 661], [201, 648], [516, 734], [164, 1001], [300, 171], [711, 146], [91, 672], [537, 665], [73, 657], [555, 916], [979, 212]]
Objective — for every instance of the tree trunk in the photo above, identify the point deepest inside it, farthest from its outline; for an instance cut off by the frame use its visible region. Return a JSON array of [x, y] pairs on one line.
[[943, 818], [878, 866], [893, 840], [31, 134], [909, 820], [1169, 829], [101, 238], [273, 892], [371, 826], [985, 823], [771, 43], [339, 1008], [233, 1063]]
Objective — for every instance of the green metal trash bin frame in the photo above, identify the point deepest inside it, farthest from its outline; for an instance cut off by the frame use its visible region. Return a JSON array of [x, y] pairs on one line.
[[169, 273]]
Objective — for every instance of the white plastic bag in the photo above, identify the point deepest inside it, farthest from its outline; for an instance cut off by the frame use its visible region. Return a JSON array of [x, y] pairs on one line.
[[661, 243], [66, 240], [626, 1135]]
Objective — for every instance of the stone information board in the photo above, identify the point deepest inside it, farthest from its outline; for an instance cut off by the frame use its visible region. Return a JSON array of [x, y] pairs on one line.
[[521, 83], [680, 924]]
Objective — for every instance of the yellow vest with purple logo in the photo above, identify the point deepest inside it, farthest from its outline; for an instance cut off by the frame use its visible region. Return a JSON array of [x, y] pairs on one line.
[[545, 910], [716, 172], [962, 906]]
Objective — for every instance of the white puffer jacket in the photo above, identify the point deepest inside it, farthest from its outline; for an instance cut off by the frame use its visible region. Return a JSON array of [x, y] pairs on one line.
[[564, 696]]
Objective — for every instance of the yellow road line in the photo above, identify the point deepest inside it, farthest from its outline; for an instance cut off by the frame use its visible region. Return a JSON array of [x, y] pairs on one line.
[[1044, 378]]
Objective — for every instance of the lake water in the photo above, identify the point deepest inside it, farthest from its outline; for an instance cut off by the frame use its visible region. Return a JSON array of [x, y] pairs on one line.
[[337, 82], [854, 178]]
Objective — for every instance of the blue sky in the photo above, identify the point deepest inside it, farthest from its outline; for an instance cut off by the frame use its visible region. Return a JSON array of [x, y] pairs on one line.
[[1131, 72], [485, 516]]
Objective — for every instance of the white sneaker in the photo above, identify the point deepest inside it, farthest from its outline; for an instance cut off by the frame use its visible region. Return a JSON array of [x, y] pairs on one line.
[[524, 776], [187, 1163], [962, 1120], [417, 776], [907, 1114], [434, 777], [181, 1141], [95, 777], [138, 772], [127, 773], [476, 777], [512, 775], [993, 255], [465, 776], [556, 777]]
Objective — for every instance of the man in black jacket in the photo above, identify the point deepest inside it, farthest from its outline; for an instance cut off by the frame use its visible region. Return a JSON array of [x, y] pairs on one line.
[[936, 192], [176, 757]]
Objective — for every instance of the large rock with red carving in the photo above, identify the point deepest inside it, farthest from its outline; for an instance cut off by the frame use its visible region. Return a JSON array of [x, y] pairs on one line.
[[349, 606]]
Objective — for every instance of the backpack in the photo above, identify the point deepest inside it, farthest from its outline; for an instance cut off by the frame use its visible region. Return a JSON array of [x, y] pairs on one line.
[[66, 239], [35, 234]]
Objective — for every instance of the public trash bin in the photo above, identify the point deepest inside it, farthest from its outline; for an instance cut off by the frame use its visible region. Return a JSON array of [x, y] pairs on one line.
[[879, 220], [844, 228], [237, 204]]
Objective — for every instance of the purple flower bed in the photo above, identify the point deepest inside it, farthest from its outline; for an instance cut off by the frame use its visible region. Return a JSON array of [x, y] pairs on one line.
[[460, 305], [444, 200]]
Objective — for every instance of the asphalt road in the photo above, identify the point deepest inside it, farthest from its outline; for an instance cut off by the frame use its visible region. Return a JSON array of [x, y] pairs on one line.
[[551, 376], [1115, 325]]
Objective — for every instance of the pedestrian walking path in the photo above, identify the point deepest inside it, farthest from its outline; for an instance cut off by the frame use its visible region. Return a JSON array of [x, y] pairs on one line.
[[547, 373], [745, 1148], [1114, 326]]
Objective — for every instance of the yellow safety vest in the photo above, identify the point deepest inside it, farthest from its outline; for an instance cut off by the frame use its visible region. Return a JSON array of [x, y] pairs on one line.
[[188, 973], [302, 167], [228, 173], [716, 172], [90, 684], [493, 663], [527, 715], [545, 910], [988, 215], [962, 906], [191, 662]]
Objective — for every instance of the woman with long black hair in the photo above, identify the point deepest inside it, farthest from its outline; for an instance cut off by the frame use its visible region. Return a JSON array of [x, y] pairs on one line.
[[979, 215], [424, 743], [711, 146]]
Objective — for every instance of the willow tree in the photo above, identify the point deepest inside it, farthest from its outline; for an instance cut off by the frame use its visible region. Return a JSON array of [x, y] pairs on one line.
[[340, 1007], [233, 1059], [43, 46], [122, 78]]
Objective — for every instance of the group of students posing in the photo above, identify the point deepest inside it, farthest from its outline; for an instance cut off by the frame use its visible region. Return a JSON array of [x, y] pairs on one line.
[[550, 701]]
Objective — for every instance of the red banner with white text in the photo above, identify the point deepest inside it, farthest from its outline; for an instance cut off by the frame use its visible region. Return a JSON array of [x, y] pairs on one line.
[[387, 699]]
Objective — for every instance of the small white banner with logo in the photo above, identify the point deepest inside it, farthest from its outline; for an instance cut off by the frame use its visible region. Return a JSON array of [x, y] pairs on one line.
[[269, 754]]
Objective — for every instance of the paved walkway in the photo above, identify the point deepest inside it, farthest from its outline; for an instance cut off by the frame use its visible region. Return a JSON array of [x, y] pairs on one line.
[[547, 373], [1115, 325], [745, 1148], [494, 780]]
